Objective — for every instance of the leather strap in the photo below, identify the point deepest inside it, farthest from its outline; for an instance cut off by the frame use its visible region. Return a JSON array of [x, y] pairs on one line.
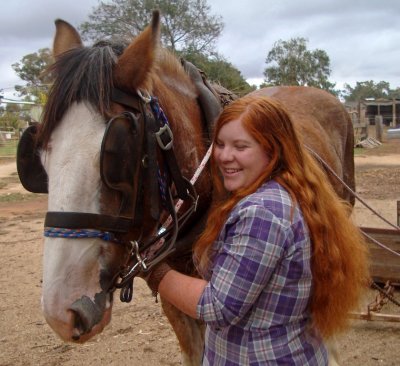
[[151, 166], [83, 220], [125, 99]]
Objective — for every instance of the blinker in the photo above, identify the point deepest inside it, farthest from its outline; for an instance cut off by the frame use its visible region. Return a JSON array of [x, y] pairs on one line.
[[30, 170], [121, 158], [121, 151]]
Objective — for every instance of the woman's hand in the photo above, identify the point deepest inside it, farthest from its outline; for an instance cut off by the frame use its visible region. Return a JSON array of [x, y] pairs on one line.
[[155, 275]]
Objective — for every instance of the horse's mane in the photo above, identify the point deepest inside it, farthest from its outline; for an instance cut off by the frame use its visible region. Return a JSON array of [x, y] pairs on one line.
[[80, 74], [169, 68], [86, 74]]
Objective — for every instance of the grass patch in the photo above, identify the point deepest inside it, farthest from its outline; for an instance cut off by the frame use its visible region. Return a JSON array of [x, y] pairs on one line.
[[17, 197], [9, 148], [359, 151]]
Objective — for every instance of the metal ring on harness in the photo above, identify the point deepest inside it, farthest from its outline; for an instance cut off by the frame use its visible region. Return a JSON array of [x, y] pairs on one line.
[[145, 97]]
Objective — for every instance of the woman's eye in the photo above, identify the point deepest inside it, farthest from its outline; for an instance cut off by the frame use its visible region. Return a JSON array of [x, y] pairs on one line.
[[241, 147]]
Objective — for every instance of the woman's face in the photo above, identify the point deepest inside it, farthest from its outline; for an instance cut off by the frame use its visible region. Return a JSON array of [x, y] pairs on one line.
[[240, 158]]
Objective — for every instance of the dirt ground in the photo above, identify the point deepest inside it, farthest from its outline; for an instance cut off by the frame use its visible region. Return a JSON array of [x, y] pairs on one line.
[[139, 334]]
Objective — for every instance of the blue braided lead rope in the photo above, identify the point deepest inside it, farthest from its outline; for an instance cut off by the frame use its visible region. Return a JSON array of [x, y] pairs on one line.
[[56, 232], [162, 177], [157, 110], [162, 185]]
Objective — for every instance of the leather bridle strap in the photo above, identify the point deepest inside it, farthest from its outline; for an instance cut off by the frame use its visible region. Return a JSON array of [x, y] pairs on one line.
[[79, 220], [165, 138], [152, 166], [120, 97]]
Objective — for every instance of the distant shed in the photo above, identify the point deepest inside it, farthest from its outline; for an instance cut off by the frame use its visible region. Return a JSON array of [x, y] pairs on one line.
[[357, 113], [389, 109]]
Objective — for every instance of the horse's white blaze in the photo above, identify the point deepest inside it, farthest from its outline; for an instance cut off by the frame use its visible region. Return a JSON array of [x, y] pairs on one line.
[[71, 267], [72, 162]]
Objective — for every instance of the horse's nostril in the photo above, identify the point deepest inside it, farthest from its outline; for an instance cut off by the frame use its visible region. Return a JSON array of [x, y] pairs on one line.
[[75, 335], [86, 314], [81, 325]]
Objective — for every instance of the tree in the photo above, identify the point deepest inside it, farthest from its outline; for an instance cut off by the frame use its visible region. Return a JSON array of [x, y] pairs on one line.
[[220, 71], [12, 116], [188, 30], [187, 24], [291, 63], [31, 69], [369, 89]]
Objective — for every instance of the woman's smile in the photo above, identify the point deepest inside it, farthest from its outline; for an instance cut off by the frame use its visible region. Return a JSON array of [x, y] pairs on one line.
[[230, 171]]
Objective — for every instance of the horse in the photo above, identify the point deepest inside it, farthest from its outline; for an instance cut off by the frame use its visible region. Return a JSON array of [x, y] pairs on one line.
[[113, 171]]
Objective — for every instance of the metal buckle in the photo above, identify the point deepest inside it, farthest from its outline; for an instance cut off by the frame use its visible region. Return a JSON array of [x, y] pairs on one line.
[[145, 97], [140, 260], [161, 143]]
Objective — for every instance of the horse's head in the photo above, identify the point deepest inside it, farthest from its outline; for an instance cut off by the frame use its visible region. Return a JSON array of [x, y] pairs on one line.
[[91, 161]]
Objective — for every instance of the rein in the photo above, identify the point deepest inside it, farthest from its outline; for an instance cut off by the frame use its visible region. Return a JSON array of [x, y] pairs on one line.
[[331, 171], [145, 260]]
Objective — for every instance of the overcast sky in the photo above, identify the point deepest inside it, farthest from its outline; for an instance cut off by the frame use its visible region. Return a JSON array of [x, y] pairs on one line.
[[361, 37]]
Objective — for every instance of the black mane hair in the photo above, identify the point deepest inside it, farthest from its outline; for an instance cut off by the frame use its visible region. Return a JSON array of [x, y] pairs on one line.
[[80, 74]]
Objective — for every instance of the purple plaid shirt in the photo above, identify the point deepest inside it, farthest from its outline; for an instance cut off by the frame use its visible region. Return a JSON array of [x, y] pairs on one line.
[[256, 302]]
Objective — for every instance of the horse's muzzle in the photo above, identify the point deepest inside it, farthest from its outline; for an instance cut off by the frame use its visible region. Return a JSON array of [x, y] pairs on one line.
[[87, 314]]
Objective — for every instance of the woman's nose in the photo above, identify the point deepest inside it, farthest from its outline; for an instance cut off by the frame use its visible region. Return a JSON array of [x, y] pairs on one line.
[[226, 154]]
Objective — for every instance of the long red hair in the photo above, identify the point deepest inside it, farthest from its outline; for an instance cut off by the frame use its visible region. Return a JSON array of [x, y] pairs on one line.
[[339, 258]]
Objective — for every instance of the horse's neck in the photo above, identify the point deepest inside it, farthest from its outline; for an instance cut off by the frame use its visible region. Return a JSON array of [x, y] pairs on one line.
[[179, 99]]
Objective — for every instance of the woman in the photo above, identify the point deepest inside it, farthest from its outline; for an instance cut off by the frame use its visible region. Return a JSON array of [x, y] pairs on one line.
[[281, 262]]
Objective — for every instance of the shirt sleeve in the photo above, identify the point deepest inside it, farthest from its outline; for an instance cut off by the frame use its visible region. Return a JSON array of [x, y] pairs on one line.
[[253, 244]]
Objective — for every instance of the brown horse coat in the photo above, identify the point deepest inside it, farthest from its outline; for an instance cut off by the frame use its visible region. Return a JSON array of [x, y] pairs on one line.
[[324, 126]]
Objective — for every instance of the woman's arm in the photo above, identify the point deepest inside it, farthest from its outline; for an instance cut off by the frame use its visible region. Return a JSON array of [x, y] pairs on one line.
[[182, 291]]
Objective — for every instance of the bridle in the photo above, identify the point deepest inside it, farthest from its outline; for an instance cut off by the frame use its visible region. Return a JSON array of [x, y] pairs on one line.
[[153, 136]]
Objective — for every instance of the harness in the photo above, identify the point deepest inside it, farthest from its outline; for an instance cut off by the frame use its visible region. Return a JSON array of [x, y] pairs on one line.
[[144, 134], [132, 145]]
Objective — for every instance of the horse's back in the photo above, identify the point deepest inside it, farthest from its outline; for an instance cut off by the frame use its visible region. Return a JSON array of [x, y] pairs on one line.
[[324, 126]]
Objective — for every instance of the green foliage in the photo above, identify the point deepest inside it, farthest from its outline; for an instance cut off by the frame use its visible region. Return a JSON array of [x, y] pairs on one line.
[[188, 29], [291, 63], [13, 116], [31, 69], [9, 119], [220, 71], [369, 89], [187, 24]]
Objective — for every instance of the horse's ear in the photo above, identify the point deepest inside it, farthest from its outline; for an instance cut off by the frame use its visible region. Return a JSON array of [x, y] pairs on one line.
[[137, 61], [66, 38]]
